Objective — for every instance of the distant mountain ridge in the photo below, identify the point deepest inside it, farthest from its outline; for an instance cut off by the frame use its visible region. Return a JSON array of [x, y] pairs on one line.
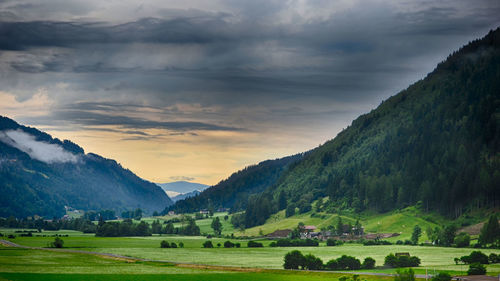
[[182, 186], [180, 190], [40, 175]]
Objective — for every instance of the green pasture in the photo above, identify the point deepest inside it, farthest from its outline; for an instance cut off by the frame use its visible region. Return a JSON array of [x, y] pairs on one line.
[[433, 258], [22, 264]]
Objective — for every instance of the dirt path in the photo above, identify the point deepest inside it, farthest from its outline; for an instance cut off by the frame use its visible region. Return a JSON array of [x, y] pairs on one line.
[[185, 265]]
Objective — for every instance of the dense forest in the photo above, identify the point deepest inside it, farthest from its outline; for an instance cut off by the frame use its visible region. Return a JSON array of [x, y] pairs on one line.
[[435, 144], [30, 186]]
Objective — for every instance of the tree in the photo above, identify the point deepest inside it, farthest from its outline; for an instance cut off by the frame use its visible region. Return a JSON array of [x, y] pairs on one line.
[[447, 235], [368, 263], [408, 275], [417, 232], [281, 200], [340, 226], [164, 244], [348, 262], [294, 260], [476, 269], [138, 214], [312, 262], [358, 228], [441, 276], [58, 243], [208, 244], [319, 203], [290, 210], [462, 240], [217, 226], [490, 233]]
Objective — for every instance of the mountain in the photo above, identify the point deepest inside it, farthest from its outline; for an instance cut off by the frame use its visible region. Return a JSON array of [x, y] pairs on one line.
[[181, 187], [182, 196], [41, 175], [434, 145]]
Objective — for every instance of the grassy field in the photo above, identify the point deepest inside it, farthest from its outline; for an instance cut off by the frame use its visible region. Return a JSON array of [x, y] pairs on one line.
[[433, 258], [22, 264]]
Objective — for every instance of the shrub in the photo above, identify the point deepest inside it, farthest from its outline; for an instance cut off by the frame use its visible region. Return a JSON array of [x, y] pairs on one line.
[[237, 245], [401, 261], [273, 244], [408, 275], [285, 242], [476, 269], [332, 264], [173, 245], [408, 242], [208, 244], [11, 236], [294, 260], [58, 243], [462, 240], [376, 242], [181, 245], [368, 263], [494, 258], [228, 244], [391, 260], [312, 262], [441, 276], [164, 244], [333, 242], [348, 262], [399, 242], [253, 244]]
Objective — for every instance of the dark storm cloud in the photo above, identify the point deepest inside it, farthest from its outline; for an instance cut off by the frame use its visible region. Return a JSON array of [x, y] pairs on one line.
[[97, 119], [250, 54]]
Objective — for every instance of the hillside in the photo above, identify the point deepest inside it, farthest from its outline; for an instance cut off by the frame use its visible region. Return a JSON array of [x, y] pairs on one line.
[[41, 175], [436, 142], [233, 192]]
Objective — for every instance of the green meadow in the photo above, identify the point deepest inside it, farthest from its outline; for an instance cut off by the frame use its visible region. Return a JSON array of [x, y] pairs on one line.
[[433, 258], [257, 263], [22, 264]]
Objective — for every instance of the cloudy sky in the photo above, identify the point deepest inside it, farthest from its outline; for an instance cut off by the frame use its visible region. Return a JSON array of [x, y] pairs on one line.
[[198, 89]]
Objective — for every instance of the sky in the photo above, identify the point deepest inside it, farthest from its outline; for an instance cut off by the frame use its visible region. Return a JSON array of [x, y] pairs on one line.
[[198, 89]]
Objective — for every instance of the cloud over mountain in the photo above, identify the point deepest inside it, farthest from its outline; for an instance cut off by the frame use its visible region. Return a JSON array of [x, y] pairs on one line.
[[42, 151]]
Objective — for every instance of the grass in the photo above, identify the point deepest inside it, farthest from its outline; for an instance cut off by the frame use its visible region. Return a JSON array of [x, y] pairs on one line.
[[438, 258], [22, 264], [401, 222]]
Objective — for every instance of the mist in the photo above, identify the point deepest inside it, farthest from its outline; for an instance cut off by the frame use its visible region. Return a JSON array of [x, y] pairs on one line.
[[42, 151]]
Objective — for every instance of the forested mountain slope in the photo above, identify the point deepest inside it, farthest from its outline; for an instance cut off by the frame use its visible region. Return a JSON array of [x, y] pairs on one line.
[[40, 175], [436, 142]]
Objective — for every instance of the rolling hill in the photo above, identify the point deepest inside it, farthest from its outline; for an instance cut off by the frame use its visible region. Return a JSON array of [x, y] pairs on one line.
[[41, 175]]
